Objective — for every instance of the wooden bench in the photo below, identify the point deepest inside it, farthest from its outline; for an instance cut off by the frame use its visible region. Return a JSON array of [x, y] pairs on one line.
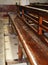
[[39, 20], [37, 55]]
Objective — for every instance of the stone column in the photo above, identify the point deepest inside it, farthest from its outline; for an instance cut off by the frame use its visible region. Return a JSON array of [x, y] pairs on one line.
[[24, 2]]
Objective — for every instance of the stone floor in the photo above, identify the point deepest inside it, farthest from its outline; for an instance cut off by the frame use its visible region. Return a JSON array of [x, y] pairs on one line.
[[8, 43], [19, 64], [2, 46]]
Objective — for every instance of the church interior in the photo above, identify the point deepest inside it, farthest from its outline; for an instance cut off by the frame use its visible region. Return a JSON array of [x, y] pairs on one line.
[[23, 32]]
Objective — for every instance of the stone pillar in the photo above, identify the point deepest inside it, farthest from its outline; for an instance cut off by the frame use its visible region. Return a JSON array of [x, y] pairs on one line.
[[24, 2]]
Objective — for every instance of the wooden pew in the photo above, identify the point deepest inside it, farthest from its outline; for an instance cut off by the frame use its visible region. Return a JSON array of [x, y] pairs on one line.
[[36, 54], [36, 16], [40, 5], [7, 8]]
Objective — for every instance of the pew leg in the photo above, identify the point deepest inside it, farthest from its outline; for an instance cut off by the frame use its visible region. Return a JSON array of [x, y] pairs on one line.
[[40, 23], [9, 20], [20, 53]]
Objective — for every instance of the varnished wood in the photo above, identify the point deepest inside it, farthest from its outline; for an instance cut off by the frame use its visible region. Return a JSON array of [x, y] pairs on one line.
[[40, 23], [8, 8], [35, 53], [20, 53]]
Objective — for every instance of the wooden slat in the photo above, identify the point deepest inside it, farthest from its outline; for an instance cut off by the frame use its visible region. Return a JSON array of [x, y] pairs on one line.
[[36, 22]]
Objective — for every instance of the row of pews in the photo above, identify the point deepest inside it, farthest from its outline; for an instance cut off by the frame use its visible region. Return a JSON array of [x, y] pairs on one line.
[[31, 25], [40, 21], [40, 5]]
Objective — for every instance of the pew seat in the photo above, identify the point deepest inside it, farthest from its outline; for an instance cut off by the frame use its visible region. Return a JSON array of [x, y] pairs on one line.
[[37, 52]]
